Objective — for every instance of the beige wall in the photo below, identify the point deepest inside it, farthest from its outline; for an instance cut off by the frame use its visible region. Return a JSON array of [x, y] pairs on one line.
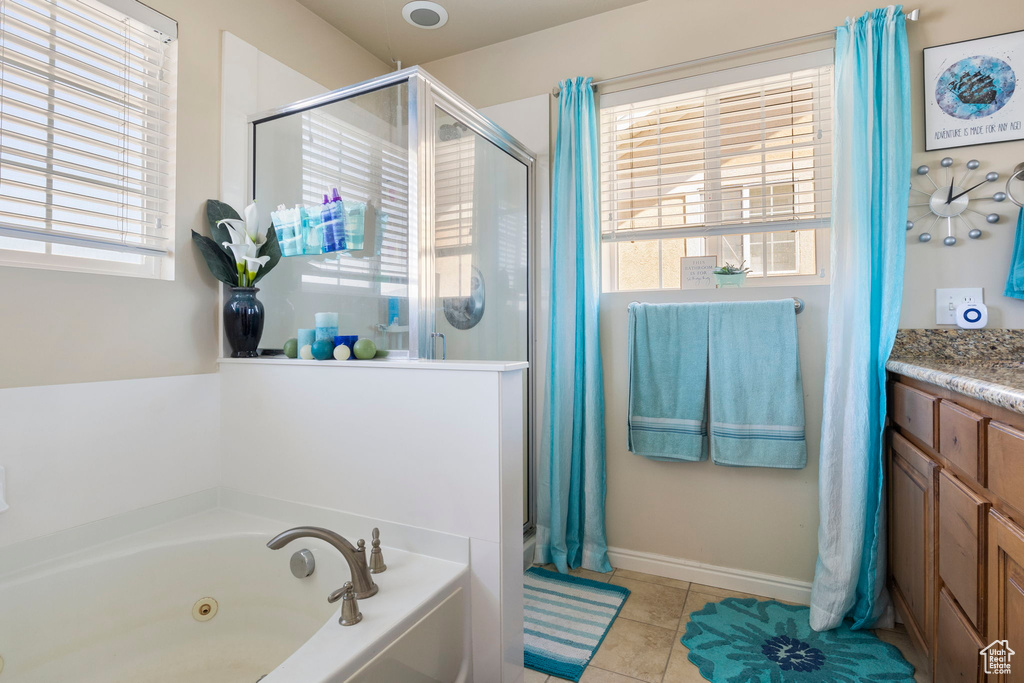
[[58, 327], [660, 32], [755, 520]]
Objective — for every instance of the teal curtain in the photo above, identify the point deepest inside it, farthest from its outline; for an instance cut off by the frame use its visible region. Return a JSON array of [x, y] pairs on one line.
[[571, 483], [871, 166]]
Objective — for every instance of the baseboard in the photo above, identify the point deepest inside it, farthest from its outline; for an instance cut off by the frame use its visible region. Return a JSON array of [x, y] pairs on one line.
[[768, 585], [529, 549]]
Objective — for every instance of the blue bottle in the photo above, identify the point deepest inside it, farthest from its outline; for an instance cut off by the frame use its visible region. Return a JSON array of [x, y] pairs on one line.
[[333, 215], [393, 309]]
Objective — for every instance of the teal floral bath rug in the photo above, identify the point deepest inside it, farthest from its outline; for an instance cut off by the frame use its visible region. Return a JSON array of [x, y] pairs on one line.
[[745, 640]]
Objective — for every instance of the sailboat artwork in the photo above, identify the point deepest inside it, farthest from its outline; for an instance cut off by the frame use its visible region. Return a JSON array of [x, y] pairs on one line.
[[972, 91]]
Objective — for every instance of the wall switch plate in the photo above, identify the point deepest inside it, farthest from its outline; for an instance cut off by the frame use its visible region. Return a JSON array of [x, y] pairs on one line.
[[947, 300], [3, 491]]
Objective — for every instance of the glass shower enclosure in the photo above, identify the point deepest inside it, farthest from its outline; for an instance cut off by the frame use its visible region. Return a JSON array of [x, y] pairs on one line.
[[428, 251]]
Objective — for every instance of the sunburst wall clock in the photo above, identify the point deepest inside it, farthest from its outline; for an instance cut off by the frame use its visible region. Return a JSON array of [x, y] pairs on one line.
[[946, 204]]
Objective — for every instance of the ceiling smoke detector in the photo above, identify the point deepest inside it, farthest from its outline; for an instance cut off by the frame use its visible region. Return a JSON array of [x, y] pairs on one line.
[[423, 14]]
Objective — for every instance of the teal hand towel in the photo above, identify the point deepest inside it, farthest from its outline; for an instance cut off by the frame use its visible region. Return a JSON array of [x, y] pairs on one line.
[[757, 396], [668, 365], [1015, 279]]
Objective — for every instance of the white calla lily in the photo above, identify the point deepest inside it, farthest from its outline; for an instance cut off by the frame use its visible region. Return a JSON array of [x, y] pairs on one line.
[[236, 229], [252, 225], [240, 251], [253, 265]]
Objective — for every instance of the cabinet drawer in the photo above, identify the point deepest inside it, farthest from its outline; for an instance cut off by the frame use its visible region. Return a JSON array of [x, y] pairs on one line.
[[1006, 463], [961, 550], [962, 438], [914, 411], [957, 646]]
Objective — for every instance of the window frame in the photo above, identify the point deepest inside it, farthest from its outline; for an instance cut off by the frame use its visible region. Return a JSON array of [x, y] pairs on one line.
[[154, 262], [680, 87]]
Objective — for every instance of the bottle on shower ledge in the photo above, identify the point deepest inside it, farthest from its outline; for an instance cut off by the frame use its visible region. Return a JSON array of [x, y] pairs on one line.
[[333, 216]]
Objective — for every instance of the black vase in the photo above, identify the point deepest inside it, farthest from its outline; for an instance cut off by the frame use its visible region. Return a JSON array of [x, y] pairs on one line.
[[243, 322]]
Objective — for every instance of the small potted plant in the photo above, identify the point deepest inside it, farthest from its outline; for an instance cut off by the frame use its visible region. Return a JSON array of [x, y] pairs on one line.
[[730, 275], [239, 255]]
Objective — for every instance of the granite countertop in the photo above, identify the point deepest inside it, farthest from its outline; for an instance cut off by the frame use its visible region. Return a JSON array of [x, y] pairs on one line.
[[983, 364]]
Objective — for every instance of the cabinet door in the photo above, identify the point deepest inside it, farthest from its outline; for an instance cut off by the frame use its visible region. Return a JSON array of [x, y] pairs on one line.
[[957, 646], [1006, 586], [961, 546], [912, 487]]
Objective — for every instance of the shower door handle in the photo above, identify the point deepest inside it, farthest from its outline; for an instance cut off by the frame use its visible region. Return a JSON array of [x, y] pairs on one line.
[[444, 344]]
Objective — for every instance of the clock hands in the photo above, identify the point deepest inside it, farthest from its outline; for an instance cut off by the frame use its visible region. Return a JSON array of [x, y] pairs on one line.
[[953, 199], [949, 197]]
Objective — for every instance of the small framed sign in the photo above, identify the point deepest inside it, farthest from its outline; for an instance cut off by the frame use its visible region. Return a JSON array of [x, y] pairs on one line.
[[697, 272], [973, 93]]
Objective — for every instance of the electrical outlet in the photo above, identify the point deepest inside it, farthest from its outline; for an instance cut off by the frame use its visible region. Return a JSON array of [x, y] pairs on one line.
[[947, 300]]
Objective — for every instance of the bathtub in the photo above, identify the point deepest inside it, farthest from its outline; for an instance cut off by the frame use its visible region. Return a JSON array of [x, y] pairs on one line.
[[201, 599]]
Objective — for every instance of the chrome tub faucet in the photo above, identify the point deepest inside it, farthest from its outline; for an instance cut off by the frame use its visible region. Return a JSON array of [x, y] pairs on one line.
[[362, 582]]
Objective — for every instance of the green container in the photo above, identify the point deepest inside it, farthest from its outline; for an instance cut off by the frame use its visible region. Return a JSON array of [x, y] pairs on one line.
[[725, 280]]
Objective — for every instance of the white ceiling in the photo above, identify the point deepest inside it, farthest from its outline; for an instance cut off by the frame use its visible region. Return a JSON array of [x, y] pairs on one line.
[[471, 23]]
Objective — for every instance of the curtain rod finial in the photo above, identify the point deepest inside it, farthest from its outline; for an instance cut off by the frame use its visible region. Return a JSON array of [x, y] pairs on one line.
[[914, 14]]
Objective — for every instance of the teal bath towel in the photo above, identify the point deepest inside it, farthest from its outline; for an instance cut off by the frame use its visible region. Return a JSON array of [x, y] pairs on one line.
[[1015, 280], [757, 396], [668, 365]]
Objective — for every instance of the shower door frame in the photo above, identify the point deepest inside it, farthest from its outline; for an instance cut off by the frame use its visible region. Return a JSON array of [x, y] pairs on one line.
[[424, 94]]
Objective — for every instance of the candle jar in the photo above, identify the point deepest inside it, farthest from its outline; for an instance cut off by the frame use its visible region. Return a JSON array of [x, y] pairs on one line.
[[326, 326]]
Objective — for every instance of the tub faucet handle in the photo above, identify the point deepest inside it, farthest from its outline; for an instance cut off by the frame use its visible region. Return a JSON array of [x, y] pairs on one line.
[[377, 565], [350, 614]]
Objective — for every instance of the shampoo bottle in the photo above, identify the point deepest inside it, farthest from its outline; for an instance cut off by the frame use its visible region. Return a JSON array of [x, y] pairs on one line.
[[333, 214]]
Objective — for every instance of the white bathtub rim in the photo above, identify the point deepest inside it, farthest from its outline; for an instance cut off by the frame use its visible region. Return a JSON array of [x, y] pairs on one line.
[[294, 670], [98, 539]]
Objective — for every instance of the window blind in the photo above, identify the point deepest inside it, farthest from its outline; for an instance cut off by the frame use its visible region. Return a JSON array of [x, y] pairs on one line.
[[367, 168], [454, 169], [86, 127], [737, 151]]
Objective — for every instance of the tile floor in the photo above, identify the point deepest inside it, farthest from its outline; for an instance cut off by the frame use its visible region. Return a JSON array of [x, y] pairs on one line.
[[643, 643]]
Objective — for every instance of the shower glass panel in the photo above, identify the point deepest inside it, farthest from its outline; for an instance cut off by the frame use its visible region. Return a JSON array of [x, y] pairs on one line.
[[437, 206], [359, 147], [480, 245], [481, 253]]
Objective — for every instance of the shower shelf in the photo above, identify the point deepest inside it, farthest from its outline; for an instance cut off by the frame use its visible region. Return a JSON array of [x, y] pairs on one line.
[[450, 365]]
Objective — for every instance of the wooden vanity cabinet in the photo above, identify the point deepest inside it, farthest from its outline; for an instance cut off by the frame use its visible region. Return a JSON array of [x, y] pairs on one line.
[[911, 541], [956, 526]]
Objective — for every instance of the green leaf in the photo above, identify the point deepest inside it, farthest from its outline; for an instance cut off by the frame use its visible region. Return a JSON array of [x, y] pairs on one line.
[[271, 248], [215, 212], [220, 263]]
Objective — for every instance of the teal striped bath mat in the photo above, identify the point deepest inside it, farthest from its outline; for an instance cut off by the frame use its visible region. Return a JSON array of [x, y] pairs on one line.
[[566, 618]]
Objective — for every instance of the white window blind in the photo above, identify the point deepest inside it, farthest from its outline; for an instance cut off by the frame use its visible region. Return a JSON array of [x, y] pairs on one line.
[[455, 153], [736, 151], [86, 134], [368, 168], [454, 168]]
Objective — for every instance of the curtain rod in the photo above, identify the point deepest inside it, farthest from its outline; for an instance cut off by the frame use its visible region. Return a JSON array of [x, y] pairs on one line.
[[913, 15]]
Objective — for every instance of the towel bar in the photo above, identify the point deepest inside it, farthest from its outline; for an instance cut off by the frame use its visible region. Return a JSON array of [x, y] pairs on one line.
[[798, 304], [1018, 174]]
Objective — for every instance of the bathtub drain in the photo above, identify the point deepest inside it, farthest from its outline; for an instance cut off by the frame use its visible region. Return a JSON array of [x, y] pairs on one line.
[[204, 609]]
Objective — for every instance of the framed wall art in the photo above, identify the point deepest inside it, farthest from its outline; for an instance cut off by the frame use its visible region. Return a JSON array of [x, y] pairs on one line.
[[973, 92]]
